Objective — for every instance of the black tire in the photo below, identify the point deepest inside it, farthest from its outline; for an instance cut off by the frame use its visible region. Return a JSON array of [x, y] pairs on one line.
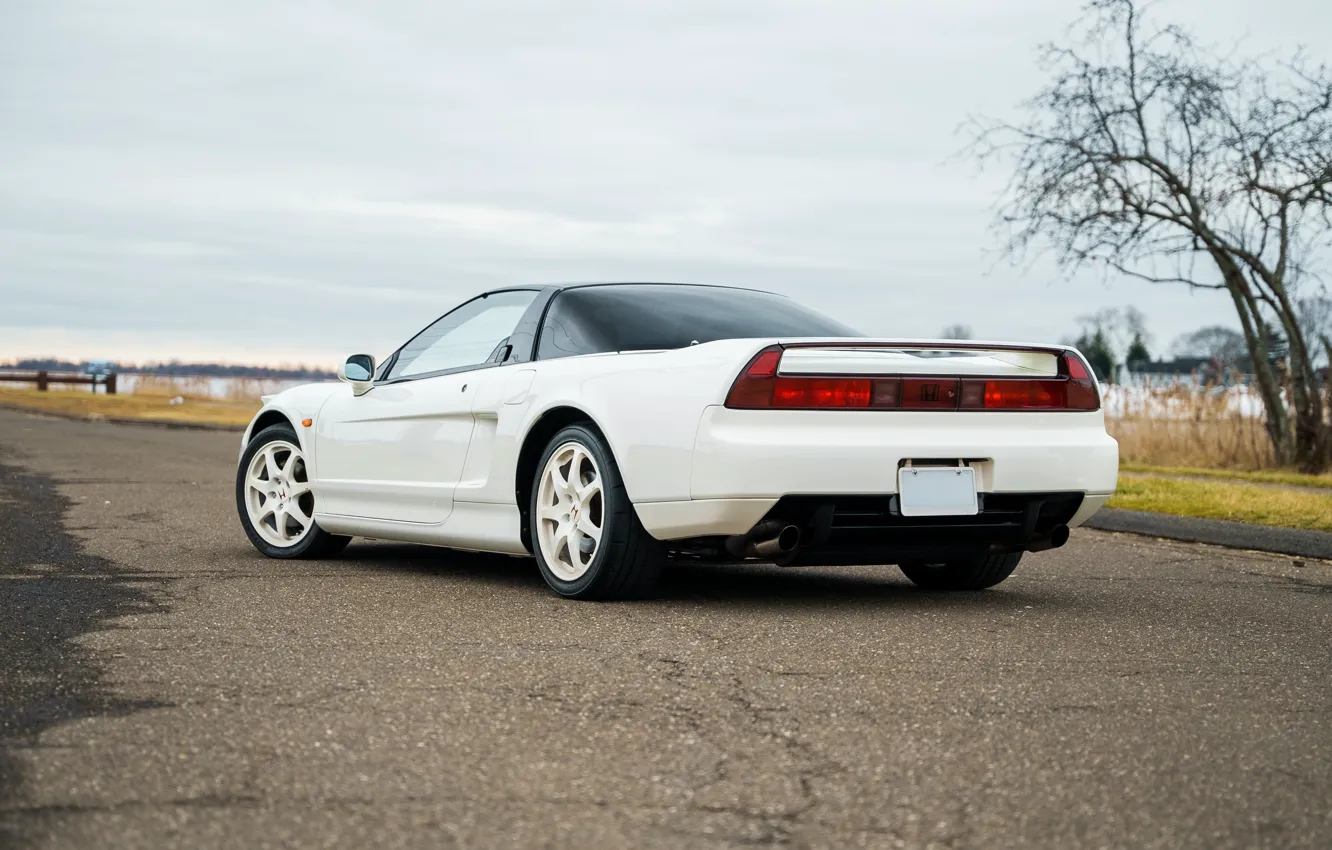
[[977, 573], [628, 560], [317, 543]]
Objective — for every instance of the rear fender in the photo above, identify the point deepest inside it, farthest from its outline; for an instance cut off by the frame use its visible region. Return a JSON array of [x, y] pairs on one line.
[[647, 405]]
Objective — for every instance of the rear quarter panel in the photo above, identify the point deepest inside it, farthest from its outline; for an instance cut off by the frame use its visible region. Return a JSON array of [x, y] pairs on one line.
[[647, 404]]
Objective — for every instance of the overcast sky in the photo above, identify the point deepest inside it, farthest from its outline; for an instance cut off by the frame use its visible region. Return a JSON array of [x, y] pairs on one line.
[[294, 181]]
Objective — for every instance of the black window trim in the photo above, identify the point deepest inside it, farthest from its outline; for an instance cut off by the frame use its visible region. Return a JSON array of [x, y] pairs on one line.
[[526, 336], [538, 303]]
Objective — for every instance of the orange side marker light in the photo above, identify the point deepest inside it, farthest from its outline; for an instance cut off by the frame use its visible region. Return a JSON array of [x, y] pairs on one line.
[[307, 422]]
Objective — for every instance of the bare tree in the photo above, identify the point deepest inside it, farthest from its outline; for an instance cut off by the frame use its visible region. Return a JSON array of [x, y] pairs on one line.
[[958, 331], [1224, 346], [1150, 156]]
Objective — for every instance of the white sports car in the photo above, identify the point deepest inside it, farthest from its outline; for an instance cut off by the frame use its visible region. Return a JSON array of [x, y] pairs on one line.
[[607, 429]]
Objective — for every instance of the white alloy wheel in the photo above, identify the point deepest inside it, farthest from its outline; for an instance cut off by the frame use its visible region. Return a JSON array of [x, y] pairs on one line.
[[570, 511], [278, 498]]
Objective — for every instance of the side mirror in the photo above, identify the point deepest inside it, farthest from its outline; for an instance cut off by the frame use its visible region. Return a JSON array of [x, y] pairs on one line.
[[359, 371]]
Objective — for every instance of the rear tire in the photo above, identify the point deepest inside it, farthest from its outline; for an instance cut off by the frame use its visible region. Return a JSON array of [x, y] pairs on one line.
[[585, 533], [977, 573]]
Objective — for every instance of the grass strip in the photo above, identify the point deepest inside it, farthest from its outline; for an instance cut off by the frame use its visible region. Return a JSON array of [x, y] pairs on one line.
[[1264, 476], [1230, 500], [195, 411]]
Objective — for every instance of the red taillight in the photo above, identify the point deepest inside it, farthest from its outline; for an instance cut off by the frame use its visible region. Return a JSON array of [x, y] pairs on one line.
[[1014, 394], [821, 392], [754, 387], [1074, 389], [1072, 367], [1082, 393], [765, 365], [760, 387]]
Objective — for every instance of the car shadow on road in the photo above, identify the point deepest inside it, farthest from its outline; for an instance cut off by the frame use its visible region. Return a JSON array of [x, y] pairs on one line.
[[438, 561], [698, 583], [766, 582]]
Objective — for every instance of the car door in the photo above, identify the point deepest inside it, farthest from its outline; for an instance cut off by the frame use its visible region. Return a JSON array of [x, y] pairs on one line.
[[398, 451]]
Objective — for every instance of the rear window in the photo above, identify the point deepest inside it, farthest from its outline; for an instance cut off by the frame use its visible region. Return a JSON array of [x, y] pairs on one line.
[[637, 317]]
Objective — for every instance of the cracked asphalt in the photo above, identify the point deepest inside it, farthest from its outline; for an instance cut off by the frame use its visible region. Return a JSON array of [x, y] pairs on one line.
[[162, 685]]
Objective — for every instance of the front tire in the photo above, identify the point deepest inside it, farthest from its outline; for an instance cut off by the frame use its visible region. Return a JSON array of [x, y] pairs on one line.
[[978, 573], [586, 536], [275, 499]]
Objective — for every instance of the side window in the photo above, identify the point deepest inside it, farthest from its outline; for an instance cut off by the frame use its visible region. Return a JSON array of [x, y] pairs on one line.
[[468, 336], [571, 328]]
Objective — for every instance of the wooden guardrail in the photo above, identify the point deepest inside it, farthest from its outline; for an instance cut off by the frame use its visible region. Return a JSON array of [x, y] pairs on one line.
[[44, 379]]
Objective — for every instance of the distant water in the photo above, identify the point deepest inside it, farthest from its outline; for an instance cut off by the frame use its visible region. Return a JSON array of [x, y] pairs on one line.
[[239, 389]]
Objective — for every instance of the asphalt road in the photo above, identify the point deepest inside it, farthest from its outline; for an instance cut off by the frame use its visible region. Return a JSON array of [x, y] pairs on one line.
[[163, 685]]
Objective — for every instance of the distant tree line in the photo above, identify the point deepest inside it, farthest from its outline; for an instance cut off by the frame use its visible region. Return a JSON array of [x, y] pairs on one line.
[[175, 369], [1115, 341]]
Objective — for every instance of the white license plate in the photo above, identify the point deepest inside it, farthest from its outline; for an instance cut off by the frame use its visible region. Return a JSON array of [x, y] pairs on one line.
[[937, 491]]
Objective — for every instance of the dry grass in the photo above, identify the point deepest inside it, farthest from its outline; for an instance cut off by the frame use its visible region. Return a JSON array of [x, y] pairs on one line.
[[1272, 476], [145, 406], [232, 389], [167, 387], [211, 401], [1190, 426], [248, 389], [1253, 503]]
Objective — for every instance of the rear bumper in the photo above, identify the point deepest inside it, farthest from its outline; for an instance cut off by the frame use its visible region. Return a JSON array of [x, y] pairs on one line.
[[749, 454], [724, 517], [745, 461], [871, 530], [701, 517]]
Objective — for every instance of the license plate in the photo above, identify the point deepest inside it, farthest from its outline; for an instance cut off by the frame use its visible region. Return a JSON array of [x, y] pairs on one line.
[[937, 491]]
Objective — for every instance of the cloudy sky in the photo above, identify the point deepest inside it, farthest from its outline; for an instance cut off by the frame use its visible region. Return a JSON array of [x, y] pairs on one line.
[[262, 182]]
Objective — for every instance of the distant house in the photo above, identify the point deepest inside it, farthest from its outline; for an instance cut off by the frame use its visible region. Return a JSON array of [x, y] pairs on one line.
[[1178, 366], [1192, 370]]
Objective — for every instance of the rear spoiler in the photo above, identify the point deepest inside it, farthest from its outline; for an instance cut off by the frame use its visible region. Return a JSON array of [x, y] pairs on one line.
[[866, 342], [918, 359]]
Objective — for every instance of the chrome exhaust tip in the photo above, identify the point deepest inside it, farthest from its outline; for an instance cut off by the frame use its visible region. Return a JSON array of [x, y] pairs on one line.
[[767, 540], [784, 543]]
